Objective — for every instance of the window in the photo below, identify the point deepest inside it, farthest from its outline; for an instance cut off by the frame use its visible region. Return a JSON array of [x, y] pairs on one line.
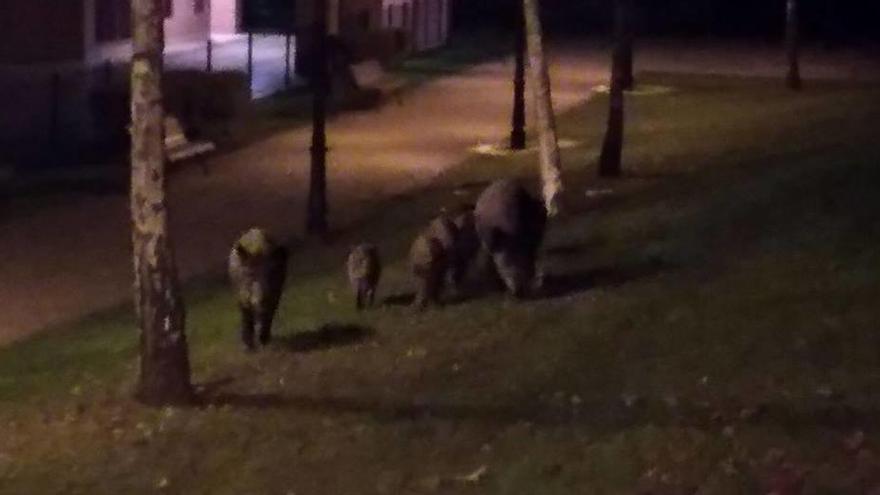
[[112, 20]]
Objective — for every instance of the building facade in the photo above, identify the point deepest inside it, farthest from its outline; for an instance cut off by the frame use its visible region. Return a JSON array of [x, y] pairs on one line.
[[55, 53], [426, 22], [37, 32]]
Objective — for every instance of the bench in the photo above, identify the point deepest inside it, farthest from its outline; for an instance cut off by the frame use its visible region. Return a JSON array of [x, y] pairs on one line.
[[179, 148], [369, 74]]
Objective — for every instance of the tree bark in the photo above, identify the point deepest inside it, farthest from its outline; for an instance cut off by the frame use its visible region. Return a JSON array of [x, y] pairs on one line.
[[518, 121], [625, 33], [316, 219], [164, 361], [550, 160], [792, 45], [612, 147]]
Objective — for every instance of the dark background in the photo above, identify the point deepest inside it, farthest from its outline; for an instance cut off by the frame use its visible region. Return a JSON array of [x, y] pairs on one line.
[[830, 21], [268, 16]]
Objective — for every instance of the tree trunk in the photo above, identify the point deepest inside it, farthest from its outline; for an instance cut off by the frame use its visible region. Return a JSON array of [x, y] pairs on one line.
[[316, 220], [792, 45], [625, 33], [164, 361], [612, 148], [518, 131], [550, 161]]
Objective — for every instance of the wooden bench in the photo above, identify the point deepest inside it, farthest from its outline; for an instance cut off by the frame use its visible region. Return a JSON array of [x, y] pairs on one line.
[[369, 74], [179, 148]]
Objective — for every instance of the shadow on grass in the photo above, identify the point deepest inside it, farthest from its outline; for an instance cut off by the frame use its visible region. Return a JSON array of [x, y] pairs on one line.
[[571, 249], [603, 414], [486, 283], [328, 336], [388, 409], [653, 174], [560, 285], [450, 298], [399, 300]]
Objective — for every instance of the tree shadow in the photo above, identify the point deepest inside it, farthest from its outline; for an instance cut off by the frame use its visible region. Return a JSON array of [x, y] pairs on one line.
[[564, 284], [653, 174], [245, 401], [571, 249], [386, 409], [399, 300], [607, 415], [450, 298], [213, 386], [327, 336]]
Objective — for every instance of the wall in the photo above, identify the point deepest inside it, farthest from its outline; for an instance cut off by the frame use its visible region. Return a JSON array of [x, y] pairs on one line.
[[186, 25], [224, 17], [38, 31], [184, 29], [427, 22], [353, 14]]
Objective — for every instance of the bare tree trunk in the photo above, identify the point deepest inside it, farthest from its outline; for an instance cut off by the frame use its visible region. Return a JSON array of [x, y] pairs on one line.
[[625, 28], [612, 148], [164, 361], [551, 162], [792, 45], [316, 220], [518, 131]]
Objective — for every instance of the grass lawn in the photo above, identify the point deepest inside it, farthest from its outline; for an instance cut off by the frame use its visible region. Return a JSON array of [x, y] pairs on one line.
[[709, 325]]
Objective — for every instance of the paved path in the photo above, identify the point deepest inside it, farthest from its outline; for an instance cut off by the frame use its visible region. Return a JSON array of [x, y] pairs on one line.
[[63, 262]]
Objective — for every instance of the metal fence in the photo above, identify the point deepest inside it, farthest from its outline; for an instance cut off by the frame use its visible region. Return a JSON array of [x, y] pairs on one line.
[[267, 59], [46, 108]]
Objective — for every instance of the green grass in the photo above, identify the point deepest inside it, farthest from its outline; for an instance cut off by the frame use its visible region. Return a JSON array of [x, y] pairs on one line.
[[710, 324]]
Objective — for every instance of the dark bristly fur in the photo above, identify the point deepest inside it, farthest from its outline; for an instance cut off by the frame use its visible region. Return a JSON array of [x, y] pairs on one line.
[[364, 268], [510, 224], [467, 244], [429, 263], [257, 269]]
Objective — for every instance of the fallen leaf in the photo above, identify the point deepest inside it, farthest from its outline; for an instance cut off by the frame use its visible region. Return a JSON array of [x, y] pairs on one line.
[[630, 400], [855, 442], [825, 391], [416, 352], [474, 477]]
